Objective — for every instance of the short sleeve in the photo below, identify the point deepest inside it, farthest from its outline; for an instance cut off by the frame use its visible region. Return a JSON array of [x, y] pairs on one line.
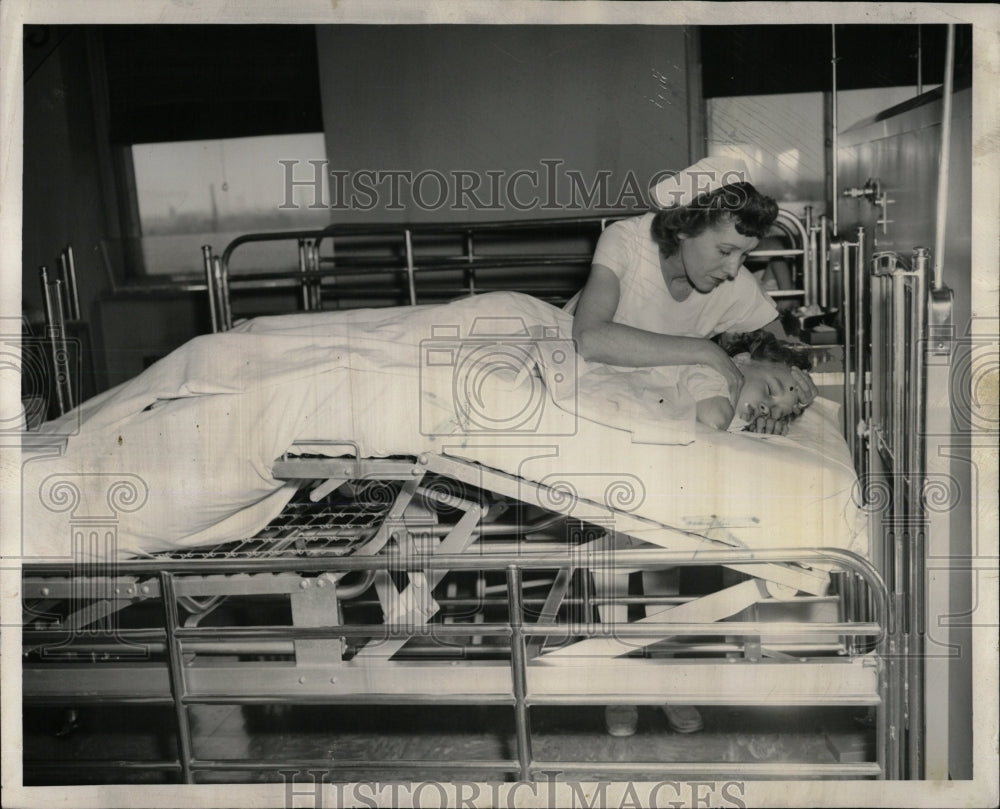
[[750, 308], [614, 248], [703, 382]]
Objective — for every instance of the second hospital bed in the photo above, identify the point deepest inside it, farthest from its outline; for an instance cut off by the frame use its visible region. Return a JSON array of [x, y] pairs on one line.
[[430, 549]]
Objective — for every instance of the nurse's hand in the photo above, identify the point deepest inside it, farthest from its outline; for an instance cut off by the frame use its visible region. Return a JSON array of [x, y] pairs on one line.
[[723, 363], [807, 389]]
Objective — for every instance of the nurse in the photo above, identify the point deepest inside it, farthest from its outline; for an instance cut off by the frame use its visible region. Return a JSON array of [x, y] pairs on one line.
[[662, 284]]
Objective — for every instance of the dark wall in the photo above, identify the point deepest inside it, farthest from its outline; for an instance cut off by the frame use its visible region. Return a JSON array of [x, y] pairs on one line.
[[65, 201], [63, 198], [503, 98], [760, 59]]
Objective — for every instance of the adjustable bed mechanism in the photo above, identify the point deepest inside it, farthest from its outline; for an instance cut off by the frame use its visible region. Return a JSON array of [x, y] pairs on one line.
[[433, 580], [427, 579]]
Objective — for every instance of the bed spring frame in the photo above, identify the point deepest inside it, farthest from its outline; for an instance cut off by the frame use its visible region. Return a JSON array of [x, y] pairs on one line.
[[436, 561]]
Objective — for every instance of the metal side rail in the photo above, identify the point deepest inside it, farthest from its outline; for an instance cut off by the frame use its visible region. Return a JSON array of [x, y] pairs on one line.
[[508, 658]]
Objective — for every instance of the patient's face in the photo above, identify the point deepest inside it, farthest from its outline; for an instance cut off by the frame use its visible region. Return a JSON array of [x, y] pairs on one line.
[[769, 390]]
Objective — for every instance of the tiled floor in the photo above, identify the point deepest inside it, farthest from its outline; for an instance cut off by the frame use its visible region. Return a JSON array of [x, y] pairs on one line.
[[392, 733]]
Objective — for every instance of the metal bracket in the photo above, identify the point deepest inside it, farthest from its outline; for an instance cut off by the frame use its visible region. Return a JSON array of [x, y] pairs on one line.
[[315, 604], [940, 322], [884, 263]]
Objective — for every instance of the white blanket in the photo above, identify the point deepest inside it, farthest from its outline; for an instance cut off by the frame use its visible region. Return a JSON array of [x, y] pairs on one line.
[[182, 454]]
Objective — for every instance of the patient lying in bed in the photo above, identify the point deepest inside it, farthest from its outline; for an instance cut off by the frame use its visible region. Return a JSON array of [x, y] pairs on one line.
[[770, 392], [659, 404], [203, 426]]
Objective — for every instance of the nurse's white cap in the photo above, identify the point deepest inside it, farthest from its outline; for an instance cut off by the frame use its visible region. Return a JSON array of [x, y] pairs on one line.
[[708, 174]]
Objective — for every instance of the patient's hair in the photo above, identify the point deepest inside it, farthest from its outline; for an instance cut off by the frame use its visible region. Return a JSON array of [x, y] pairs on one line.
[[753, 214], [764, 346]]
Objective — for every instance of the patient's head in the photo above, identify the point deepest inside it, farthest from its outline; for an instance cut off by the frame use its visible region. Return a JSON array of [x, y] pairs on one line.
[[769, 388]]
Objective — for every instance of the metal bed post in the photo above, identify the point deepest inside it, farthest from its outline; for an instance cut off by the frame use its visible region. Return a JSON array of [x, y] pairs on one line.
[[886, 525], [332, 261], [55, 324], [303, 264], [803, 237], [519, 674], [862, 347], [221, 273], [854, 279], [883, 713], [206, 257], [849, 606], [850, 380], [885, 721], [470, 252], [176, 675], [824, 246], [68, 269], [900, 512], [408, 235], [808, 280], [915, 489], [315, 281], [936, 424]]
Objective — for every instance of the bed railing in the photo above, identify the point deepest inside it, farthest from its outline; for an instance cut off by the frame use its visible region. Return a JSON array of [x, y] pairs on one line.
[[898, 337], [523, 683], [384, 261], [780, 636]]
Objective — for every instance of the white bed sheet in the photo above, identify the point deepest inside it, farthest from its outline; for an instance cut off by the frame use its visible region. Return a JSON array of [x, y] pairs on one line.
[[182, 455]]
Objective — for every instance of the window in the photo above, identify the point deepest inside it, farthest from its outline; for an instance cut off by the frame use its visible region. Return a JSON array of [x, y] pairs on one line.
[[191, 193], [197, 118]]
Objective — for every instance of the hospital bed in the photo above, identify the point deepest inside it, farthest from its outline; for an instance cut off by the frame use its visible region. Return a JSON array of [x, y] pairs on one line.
[[453, 568], [436, 574]]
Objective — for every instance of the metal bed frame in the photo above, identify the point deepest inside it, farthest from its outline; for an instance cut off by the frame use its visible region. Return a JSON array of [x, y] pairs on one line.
[[898, 337], [896, 325], [338, 260], [61, 299], [514, 649]]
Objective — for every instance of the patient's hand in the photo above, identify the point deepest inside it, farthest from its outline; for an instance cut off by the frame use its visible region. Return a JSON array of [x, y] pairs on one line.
[[716, 412], [765, 424]]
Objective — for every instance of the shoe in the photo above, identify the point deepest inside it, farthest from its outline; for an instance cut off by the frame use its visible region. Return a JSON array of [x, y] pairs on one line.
[[621, 720], [683, 718]]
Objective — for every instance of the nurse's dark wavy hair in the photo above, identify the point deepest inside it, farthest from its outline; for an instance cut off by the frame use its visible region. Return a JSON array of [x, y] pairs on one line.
[[764, 346], [752, 212]]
